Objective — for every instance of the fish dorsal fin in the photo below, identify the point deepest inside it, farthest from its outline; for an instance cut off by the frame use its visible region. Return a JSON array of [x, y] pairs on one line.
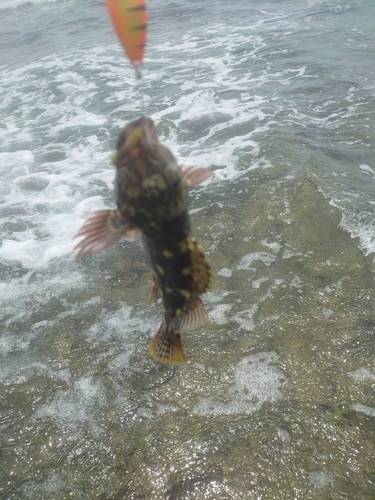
[[166, 348], [199, 269], [101, 230], [192, 177], [194, 318]]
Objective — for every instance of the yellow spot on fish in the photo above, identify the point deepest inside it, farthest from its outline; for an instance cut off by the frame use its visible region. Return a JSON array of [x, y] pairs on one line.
[[167, 253], [133, 192], [168, 289], [184, 293], [177, 311], [133, 139], [187, 244], [185, 271], [184, 245], [161, 270], [130, 210]]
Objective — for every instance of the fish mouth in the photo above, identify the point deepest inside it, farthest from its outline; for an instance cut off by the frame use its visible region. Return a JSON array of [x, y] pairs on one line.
[[138, 135], [142, 133], [149, 131]]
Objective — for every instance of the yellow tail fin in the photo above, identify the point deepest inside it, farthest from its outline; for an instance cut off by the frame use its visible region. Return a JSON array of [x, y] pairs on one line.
[[166, 348]]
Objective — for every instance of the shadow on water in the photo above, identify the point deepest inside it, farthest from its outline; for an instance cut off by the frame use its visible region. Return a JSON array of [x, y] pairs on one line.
[[276, 399]]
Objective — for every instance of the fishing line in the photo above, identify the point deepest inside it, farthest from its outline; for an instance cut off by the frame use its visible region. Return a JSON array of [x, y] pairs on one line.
[[158, 384], [130, 20], [139, 81], [138, 110]]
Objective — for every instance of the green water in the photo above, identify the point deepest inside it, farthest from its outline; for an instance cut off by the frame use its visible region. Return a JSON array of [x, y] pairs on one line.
[[293, 321]]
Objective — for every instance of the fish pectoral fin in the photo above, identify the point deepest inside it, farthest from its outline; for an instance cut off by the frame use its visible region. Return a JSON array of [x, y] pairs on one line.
[[101, 230], [166, 348], [192, 177], [193, 318], [155, 292]]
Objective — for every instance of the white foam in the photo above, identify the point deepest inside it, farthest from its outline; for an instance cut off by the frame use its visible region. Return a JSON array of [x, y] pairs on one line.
[[362, 375], [360, 224], [54, 482], [367, 410], [15, 163], [248, 260], [274, 246], [285, 436], [11, 343], [127, 324], [257, 380], [12, 372], [11, 4], [327, 312], [296, 282], [257, 283], [320, 478], [33, 253], [227, 273], [368, 170], [218, 313], [80, 403], [75, 406], [81, 118], [245, 318]]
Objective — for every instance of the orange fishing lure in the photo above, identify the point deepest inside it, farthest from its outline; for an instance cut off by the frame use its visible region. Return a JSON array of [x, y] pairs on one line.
[[130, 20]]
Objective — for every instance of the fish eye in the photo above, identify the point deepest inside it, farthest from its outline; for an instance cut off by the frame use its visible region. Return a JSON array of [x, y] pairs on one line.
[[146, 191]]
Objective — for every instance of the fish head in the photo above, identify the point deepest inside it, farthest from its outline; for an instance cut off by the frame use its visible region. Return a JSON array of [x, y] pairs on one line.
[[138, 134], [148, 181]]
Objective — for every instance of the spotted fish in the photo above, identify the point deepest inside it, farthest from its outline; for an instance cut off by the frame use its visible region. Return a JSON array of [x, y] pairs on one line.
[[152, 197]]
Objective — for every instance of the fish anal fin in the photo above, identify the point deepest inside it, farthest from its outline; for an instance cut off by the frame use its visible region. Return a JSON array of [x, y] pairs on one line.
[[192, 177], [194, 318], [101, 230], [166, 348], [155, 292]]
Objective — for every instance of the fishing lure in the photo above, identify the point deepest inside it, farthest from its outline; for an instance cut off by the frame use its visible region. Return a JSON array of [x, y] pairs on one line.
[[129, 18]]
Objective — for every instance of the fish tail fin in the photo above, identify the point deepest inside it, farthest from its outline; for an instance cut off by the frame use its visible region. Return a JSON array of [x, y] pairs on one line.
[[101, 230], [166, 348]]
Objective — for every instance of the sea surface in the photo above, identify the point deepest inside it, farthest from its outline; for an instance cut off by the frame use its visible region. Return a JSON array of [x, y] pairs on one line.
[[276, 399]]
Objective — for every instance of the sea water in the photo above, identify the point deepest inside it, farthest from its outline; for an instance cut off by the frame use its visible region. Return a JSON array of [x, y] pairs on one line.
[[276, 398]]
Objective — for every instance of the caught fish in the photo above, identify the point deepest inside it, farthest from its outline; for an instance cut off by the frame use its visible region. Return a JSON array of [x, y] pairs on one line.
[[152, 198]]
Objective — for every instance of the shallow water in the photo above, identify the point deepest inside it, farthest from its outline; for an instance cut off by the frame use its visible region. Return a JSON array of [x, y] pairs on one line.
[[276, 398]]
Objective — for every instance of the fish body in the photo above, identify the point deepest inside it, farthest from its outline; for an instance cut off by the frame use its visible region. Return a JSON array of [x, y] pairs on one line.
[[152, 198], [149, 188]]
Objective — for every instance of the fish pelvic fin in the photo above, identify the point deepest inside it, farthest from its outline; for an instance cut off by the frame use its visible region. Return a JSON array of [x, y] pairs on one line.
[[166, 348], [192, 177], [101, 230], [155, 292], [193, 318]]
